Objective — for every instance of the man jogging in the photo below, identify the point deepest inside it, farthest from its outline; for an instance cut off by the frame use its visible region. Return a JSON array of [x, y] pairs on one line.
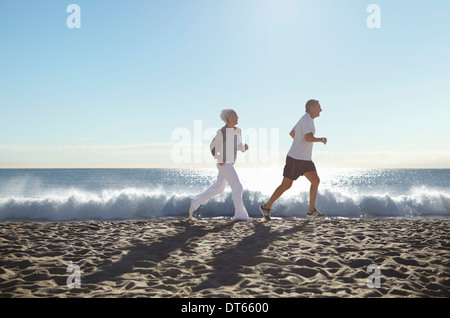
[[298, 160]]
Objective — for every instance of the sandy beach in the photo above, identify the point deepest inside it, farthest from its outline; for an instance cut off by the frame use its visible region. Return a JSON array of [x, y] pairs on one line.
[[224, 258]]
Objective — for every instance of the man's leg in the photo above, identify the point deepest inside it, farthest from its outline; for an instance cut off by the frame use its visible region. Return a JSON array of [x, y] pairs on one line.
[[314, 179], [285, 185]]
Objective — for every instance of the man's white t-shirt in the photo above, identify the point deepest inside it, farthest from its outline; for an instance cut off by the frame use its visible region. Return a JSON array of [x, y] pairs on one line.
[[302, 149]]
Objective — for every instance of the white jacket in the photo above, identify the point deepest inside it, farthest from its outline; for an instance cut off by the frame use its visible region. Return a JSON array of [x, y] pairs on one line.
[[224, 148]]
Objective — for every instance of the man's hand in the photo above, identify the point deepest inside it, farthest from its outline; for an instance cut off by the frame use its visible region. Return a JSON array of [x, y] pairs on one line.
[[310, 138]]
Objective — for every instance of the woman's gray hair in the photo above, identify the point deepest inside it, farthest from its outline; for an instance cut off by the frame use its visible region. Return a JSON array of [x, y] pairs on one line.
[[225, 113]]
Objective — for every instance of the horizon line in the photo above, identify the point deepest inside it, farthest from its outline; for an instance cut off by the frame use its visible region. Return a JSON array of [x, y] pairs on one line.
[[206, 167]]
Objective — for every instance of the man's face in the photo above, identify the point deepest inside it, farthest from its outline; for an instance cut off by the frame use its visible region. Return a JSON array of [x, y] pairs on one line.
[[315, 110]]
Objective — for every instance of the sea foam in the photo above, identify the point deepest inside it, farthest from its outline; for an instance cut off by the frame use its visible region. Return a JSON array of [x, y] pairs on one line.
[[138, 203]]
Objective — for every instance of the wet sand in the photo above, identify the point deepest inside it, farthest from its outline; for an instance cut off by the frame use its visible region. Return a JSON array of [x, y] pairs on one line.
[[223, 258]]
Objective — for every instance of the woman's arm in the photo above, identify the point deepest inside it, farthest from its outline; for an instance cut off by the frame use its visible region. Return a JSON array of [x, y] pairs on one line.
[[218, 146], [242, 147]]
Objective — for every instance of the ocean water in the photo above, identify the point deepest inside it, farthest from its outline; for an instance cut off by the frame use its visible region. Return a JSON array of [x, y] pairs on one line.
[[123, 194]]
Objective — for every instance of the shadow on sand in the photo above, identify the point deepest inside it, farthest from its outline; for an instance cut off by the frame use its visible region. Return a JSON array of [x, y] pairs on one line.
[[226, 265], [247, 252], [155, 252]]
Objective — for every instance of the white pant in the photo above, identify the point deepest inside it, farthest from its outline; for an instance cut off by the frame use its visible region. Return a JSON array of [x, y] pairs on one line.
[[227, 174]]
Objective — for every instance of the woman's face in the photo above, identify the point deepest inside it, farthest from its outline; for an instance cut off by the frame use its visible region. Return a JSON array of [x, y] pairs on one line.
[[233, 119]]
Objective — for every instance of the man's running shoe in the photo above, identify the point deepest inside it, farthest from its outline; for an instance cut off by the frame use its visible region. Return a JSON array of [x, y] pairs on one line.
[[265, 212], [315, 214]]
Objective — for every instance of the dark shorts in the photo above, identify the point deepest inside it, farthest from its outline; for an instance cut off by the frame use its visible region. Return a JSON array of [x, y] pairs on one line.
[[295, 168]]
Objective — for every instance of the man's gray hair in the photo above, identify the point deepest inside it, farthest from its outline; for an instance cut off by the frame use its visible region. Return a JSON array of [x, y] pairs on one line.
[[310, 103], [225, 113]]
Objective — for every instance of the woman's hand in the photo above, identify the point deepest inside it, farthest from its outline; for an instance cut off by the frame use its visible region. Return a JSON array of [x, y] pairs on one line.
[[246, 147]]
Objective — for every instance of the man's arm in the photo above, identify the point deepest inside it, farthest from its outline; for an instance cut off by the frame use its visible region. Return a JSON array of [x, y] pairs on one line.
[[310, 138], [292, 133]]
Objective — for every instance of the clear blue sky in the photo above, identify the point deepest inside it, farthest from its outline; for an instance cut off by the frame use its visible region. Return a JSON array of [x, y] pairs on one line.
[[111, 93]]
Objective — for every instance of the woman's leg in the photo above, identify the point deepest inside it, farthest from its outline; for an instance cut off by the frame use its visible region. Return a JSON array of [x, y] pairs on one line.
[[230, 175], [215, 189]]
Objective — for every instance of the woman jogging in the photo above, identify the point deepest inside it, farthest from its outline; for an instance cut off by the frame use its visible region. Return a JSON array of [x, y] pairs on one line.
[[224, 148]]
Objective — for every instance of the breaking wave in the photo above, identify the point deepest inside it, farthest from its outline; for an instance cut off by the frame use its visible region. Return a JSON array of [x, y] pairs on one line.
[[136, 203]]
